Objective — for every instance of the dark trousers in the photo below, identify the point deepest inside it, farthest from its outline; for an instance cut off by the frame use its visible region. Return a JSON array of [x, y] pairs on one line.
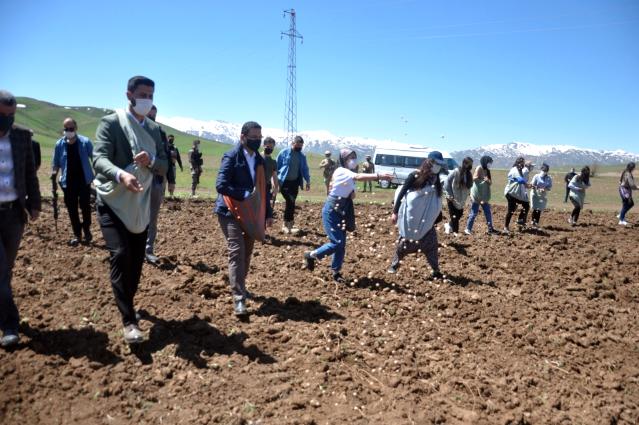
[[626, 205], [575, 212], [127, 255], [426, 245], [240, 249], [369, 184], [567, 194], [11, 227], [455, 215], [512, 207], [536, 216], [289, 190], [74, 196], [195, 179]]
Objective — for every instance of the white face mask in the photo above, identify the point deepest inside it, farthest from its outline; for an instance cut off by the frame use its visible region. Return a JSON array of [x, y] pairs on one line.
[[489, 165], [543, 174], [436, 168], [351, 164], [143, 106], [69, 134]]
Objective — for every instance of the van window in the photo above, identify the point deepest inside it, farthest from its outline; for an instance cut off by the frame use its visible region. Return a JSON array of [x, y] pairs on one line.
[[389, 160], [413, 162]]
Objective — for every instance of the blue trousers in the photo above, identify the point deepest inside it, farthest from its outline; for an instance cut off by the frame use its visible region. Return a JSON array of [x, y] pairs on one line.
[[334, 228], [11, 227], [474, 211], [626, 204]]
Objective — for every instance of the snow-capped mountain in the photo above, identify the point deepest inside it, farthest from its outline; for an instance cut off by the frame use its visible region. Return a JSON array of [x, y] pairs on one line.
[[317, 141], [321, 140], [504, 155]]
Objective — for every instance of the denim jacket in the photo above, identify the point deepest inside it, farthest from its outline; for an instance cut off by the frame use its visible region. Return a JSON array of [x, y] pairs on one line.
[[85, 149], [282, 167]]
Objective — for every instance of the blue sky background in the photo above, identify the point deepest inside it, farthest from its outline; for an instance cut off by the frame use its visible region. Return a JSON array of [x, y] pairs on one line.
[[546, 72]]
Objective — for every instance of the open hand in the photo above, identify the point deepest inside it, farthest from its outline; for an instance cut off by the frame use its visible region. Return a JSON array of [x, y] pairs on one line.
[[131, 182]]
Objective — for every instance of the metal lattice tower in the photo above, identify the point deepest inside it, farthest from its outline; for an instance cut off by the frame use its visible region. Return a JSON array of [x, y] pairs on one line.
[[290, 107]]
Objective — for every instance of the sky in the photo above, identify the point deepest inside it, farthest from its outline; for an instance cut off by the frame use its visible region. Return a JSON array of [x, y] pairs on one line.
[[474, 72]]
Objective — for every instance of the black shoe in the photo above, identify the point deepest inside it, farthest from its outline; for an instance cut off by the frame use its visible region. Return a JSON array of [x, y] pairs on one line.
[[492, 231], [436, 274], [88, 237], [309, 261], [337, 277], [391, 269], [74, 242]]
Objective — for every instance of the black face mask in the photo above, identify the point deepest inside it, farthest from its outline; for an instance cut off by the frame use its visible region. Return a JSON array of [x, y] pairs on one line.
[[6, 122], [268, 151], [297, 149], [253, 144]]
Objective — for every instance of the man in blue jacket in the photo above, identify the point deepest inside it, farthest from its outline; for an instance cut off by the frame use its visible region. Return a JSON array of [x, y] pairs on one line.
[[72, 156], [236, 179], [292, 171]]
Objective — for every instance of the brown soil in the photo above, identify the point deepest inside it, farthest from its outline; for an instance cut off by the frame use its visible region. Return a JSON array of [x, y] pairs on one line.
[[537, 327]]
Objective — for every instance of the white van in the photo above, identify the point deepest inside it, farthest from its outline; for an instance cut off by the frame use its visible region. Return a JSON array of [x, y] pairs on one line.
[[401, 161]]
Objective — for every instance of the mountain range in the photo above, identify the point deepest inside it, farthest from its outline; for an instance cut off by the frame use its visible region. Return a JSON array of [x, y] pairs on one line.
[[319, 141]]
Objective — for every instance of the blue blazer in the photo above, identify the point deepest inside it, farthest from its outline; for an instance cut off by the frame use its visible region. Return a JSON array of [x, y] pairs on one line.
[[234, 179]]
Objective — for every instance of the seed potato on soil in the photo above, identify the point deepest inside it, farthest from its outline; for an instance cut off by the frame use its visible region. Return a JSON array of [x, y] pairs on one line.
[[539, 327]]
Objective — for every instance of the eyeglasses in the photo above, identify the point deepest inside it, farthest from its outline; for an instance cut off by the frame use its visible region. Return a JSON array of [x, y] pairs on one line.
[[69, 129]]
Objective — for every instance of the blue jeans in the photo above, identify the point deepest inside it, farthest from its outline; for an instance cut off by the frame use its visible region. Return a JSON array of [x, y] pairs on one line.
[[336, 245], [625, 207], [474, 211], [11, 227]]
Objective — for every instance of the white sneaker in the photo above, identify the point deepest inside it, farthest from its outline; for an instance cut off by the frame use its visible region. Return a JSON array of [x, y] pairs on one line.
[[447, 228], [570, 221], [133, 335], [468, 232], [623, 223]]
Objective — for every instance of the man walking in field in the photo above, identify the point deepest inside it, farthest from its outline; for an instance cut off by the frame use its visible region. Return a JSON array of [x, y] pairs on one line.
[[328, 167], [19, 195], [157, 196], [174, 156], [292, 171], [128, 153], [368, 168], [242, 208], [196, 161], [72, 156]]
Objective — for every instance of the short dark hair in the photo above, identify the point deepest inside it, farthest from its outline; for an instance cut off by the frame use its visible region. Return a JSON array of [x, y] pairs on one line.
[[248, 126], [269, 140], [154, 108], [7, 99], [298, 139], [139, 80], [170, 135]]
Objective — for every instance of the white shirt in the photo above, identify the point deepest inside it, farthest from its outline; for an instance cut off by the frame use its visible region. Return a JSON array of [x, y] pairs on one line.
[[250, 160], [342, 183], [8, 191]]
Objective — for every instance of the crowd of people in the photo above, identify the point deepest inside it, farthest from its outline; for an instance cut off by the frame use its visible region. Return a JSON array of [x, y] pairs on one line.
[[132, 161]]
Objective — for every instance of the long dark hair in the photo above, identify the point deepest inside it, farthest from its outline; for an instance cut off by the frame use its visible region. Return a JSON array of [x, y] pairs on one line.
[[584, 175], [465, 173], [484, 161], [629, 168], [424, 175], [519, 165]]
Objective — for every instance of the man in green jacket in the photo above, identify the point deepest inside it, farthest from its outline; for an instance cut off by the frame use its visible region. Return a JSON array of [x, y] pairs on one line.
[[128, 152]]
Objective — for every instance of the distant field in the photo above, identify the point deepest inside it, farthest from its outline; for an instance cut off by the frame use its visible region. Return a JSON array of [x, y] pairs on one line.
[[46, 121]]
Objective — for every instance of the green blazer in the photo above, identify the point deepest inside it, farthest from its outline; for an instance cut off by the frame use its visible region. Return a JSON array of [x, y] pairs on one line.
[[112, 151]]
